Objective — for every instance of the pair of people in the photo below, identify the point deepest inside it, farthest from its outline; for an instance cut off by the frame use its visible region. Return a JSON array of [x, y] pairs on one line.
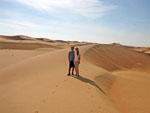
[[74, 61]]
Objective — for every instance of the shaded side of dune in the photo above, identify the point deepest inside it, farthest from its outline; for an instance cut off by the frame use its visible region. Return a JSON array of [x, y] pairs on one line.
[[112, 58], [128, 89], [25, 45]]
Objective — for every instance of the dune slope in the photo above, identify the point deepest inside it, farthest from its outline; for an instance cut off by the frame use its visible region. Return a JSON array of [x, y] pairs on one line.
[[128, 85], [112, 58], [40, 85]]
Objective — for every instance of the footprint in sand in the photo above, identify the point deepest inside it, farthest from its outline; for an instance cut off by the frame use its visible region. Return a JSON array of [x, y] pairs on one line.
[[64, 80], [89, 88], [99, 107], [44, 101], [53, 92], [91, 111], [92, 96], [36, 112]]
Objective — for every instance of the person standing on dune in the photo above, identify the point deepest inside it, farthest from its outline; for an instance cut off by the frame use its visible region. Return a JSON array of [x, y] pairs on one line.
[[77, 61], [71, 56]]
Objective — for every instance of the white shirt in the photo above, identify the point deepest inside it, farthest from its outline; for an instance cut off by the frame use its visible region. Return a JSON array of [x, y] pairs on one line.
[[76, 57]]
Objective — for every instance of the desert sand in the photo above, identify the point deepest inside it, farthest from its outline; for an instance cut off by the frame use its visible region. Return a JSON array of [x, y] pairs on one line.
[[33, 77]]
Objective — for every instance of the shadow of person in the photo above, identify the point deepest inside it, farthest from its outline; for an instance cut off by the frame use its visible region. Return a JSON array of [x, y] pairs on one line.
[[91, 82]]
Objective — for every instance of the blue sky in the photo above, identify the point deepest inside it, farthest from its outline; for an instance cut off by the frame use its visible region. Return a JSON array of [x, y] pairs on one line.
[[103, 21]]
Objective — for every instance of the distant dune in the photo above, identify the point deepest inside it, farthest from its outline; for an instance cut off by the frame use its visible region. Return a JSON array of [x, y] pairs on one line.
[[113, 57], [26, 42], [17, 37], [114, 78], [145, 50], [24, 45]]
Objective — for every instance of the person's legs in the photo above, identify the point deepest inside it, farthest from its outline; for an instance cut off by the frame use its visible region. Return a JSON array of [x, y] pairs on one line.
[[73, 66], [69, 69], [78, 70], [72, 70]]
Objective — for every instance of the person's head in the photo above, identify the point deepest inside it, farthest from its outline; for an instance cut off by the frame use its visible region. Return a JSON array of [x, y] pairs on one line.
[[72, 48], [77, 50]]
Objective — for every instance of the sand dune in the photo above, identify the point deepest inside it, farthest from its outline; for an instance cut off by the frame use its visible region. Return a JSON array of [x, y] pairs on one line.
[[41, 84], [145, 50], [112, 58], [23, 42], [29, 43], [13, 56], [35, 81], [128, 84], [24, 45], [131, 92], [17, 37]]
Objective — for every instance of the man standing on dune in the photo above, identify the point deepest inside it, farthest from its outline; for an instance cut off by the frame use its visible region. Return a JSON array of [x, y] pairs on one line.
[[71, 56]]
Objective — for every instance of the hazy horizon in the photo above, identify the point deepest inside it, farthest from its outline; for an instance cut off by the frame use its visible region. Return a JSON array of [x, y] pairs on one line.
[[112, 21]]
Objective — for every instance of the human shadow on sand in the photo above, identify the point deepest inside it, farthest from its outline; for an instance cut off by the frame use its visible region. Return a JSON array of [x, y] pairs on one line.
[[91, 82]]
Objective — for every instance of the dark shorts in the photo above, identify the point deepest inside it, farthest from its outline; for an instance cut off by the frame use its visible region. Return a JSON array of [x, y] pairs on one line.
[[71, 64]]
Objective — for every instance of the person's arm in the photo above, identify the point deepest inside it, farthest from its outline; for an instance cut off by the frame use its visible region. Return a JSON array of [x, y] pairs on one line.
[[79, 58], [69, 56]]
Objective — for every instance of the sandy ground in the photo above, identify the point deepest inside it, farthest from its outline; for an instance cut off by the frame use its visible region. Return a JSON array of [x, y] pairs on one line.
[[114, 79]]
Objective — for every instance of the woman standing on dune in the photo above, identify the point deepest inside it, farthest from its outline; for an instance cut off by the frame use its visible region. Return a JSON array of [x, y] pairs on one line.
[[77, 60]]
